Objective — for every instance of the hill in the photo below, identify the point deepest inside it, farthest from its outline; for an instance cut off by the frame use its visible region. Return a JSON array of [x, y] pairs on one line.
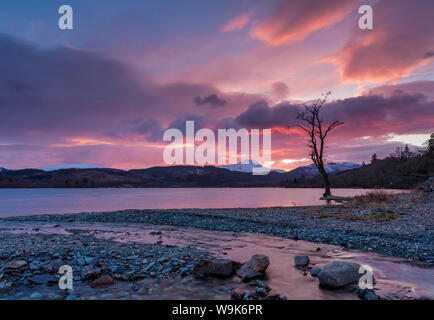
[[174, 176], [311, 170], [387, 173]]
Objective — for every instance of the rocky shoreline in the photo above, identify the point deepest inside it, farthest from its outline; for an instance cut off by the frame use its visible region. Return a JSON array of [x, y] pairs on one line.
[[29, 261], [403, 226]]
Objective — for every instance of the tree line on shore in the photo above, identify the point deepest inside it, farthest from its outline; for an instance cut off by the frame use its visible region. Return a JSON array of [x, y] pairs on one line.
[[402, 169]]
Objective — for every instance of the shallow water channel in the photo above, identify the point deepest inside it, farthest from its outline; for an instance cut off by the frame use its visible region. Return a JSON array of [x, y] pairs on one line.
[[395, 277]]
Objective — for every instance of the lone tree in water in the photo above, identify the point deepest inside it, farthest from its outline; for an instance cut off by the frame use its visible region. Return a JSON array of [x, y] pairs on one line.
[[317, 131]]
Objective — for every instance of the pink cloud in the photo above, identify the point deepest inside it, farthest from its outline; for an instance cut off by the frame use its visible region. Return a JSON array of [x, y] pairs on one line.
[[237, 23], [295, 20], [401, 40]]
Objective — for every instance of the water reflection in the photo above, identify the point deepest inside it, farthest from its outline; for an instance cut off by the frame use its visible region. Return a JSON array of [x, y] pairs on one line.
[[16, 202]]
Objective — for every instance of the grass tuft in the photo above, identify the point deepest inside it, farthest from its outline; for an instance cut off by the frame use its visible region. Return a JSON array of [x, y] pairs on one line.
[[372, 197]]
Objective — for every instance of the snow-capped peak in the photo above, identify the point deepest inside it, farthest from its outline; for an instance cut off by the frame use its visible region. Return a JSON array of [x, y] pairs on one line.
[[331, 168], [71, 166], [245, 166]]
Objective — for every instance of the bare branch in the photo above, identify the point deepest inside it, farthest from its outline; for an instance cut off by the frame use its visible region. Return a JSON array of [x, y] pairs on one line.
[[317, 132]]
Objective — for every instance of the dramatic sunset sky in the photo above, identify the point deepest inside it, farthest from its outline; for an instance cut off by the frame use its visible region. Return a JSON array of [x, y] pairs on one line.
[[104, 92]]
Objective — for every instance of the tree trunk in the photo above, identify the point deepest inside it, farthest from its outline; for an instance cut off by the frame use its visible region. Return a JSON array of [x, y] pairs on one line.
[[325, 176]]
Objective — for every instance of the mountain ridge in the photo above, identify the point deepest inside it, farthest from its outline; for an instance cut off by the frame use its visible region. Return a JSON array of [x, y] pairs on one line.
[[163, 176], [71, 166], [247, 167]]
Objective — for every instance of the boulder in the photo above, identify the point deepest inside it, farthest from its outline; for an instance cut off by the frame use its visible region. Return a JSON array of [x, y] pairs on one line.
[[103, 281], [220, 268], [253, 268], [301, 261], [338, 274], [16, 264]]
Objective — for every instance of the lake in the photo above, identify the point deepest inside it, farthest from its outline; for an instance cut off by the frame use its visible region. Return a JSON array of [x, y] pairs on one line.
[[16, 202]]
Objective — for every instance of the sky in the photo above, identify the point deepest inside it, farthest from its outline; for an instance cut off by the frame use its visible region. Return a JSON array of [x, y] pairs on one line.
[[104, 92]]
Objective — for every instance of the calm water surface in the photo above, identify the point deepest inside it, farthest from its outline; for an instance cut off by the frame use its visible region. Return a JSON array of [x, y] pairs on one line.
[[16, 202]]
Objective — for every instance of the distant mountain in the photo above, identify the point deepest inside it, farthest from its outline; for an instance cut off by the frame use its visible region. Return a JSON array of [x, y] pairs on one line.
[[311, 170], [155, 177], [89, 176], [247, 167], [387, 173], [2, 169], [71, 166]]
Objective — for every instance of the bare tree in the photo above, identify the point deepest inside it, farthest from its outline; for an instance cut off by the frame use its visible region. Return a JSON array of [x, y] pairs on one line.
[[317, 131]]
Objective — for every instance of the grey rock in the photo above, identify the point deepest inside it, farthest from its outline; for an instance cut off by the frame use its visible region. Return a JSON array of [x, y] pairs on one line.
[[338, 274], [314, 272], [90, 272], [301, 261], [215, 268], [255, 266], [53, 266], [16, 264], [91, 260]]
